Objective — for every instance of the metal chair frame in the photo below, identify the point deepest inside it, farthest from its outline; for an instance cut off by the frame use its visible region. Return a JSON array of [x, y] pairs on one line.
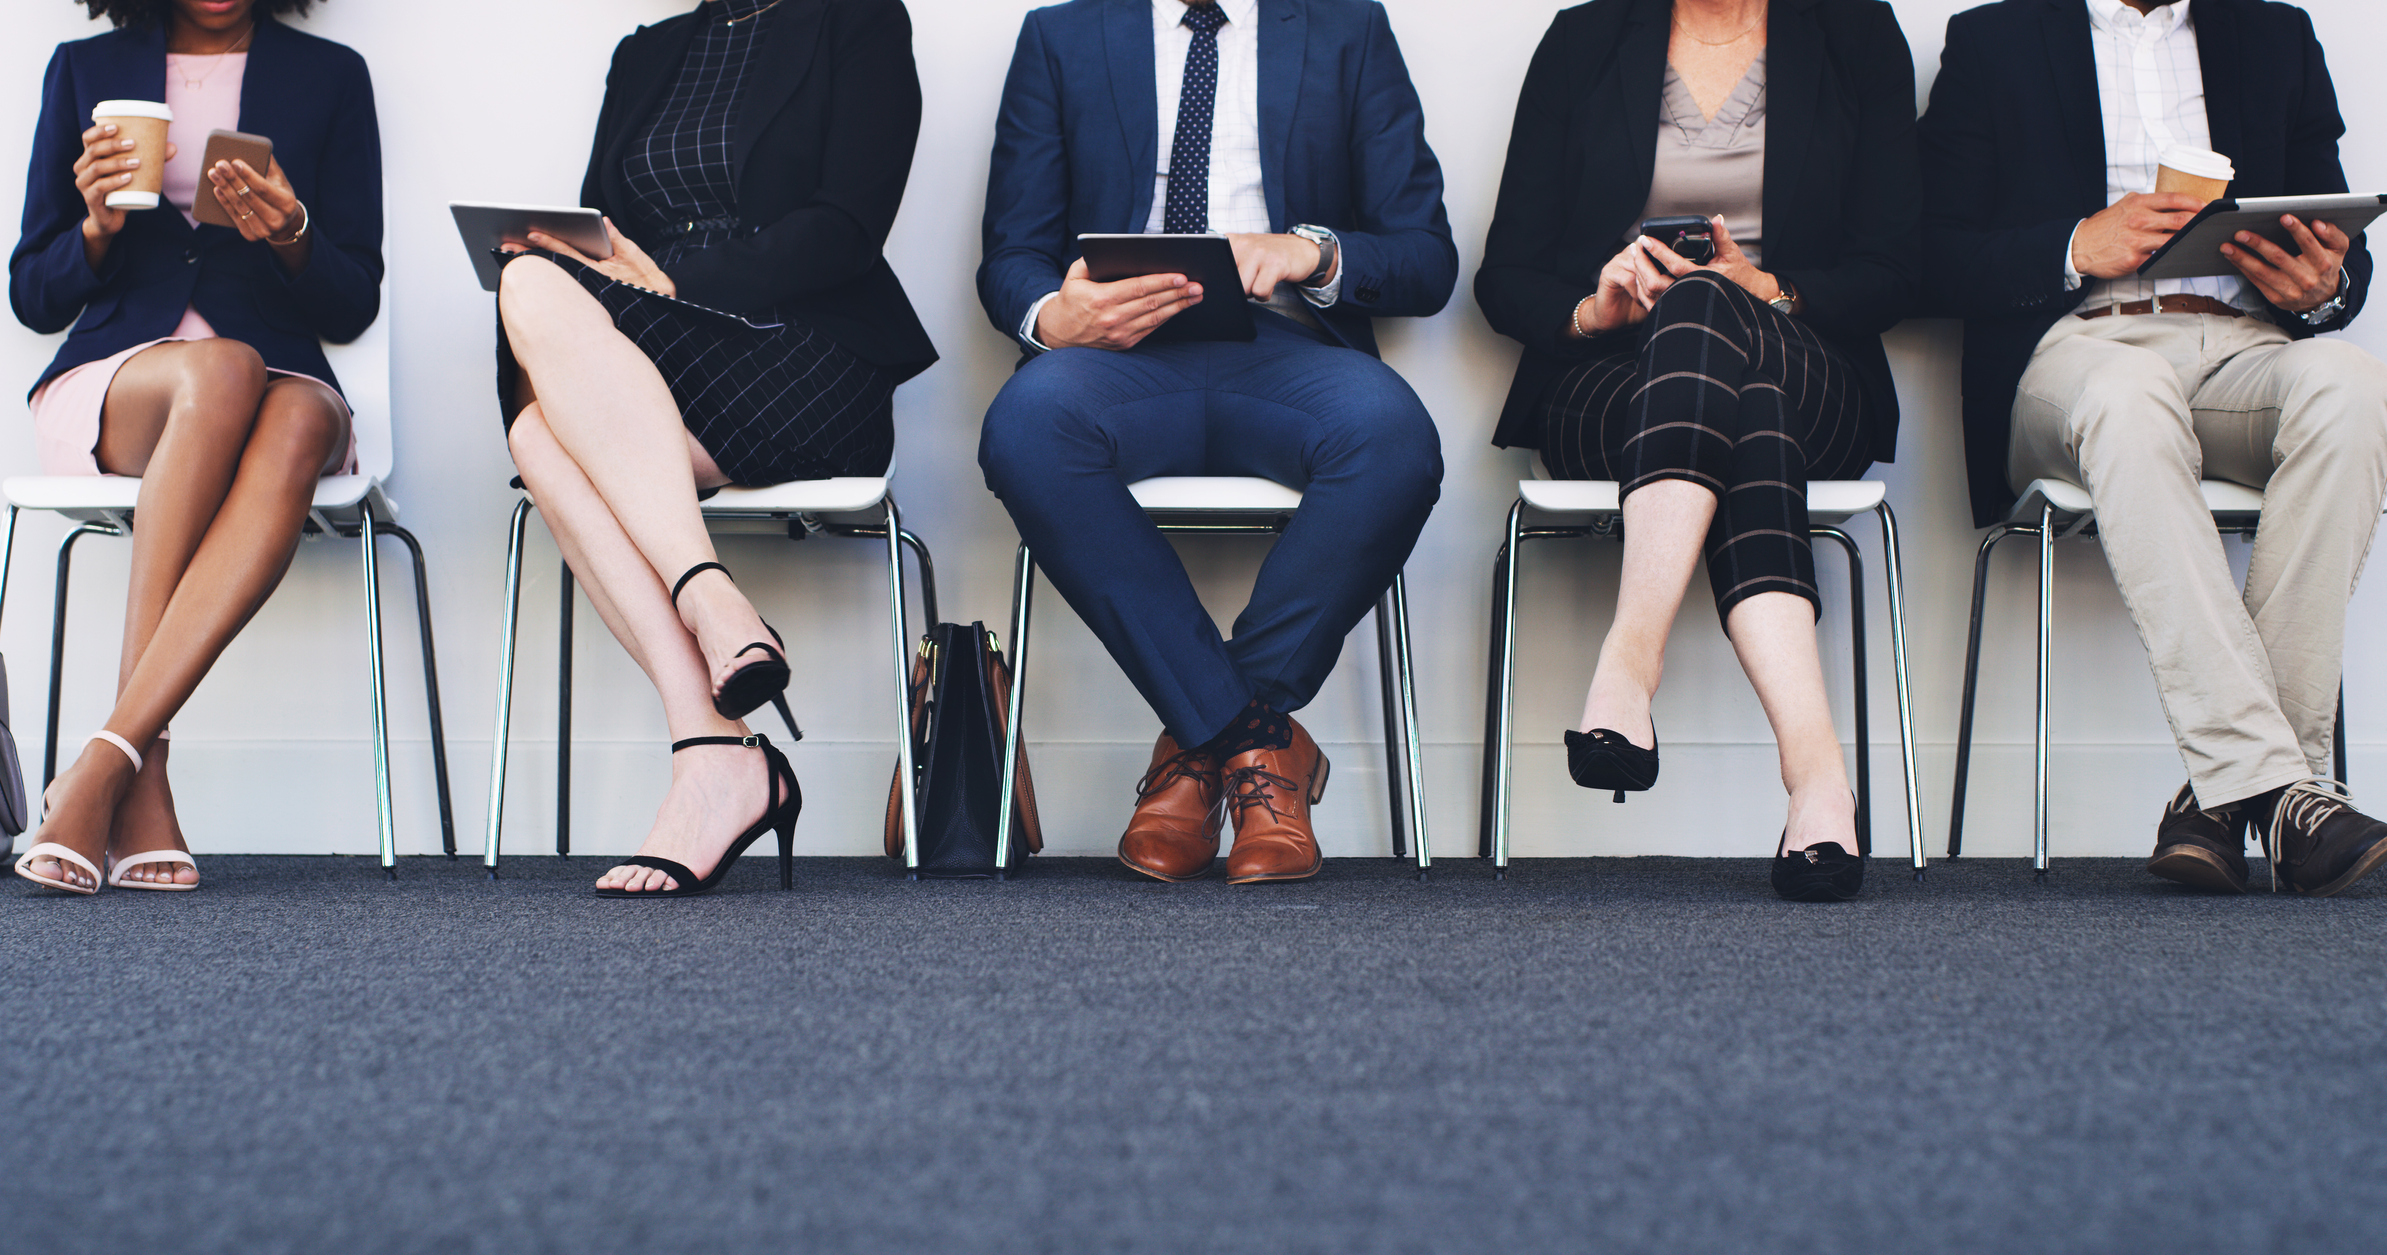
[[1396, 675], [374, 518], [722, 515], [1499, 715], [2040, 514]]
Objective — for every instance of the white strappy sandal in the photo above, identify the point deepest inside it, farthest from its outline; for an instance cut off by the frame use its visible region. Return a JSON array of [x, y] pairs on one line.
[[66, 854]]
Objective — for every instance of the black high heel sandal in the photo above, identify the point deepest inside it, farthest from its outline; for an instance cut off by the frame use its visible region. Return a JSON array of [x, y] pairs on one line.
[[1605, 760], [780, 815], [764, 680], [1819, 873]]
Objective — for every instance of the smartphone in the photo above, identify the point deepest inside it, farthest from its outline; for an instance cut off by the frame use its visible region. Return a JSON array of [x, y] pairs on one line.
[[223, 145], [1692, 238]]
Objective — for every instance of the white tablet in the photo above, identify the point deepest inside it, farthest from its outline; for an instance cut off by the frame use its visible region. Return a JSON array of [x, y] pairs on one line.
[[485, 227], [2195, 251]]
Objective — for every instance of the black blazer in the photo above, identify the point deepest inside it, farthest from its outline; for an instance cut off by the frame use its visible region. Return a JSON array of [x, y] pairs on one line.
[[823, 146], [313, 98], [2014, 158], [1841, 188]]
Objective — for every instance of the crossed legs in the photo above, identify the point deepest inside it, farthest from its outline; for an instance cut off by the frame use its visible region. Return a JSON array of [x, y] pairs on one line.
[[228, 461], [603, 451]]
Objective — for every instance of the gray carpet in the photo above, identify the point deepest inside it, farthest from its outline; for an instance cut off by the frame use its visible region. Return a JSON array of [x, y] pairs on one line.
[[1615, 1055]]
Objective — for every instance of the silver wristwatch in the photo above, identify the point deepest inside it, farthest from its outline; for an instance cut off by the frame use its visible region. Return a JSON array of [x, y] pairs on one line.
[[2331, 308], [1327, 245]]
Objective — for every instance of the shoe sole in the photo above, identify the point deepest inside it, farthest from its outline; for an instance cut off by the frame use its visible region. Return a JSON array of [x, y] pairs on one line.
[[2364, 866], [1163, 876], [2196, 868], [1315, 868]]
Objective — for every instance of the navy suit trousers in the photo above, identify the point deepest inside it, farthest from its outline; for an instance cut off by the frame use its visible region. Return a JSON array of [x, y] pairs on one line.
[[1073, 428]]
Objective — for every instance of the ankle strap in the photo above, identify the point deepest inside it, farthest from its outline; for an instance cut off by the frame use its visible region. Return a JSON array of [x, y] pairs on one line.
[[750, 740], [694, 571], [119, 742]]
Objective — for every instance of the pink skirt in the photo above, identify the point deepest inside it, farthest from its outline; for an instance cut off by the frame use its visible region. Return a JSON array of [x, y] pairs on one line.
[[66, 410]]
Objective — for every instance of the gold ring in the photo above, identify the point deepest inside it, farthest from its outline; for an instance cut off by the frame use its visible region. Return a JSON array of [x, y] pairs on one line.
[[244, 191]]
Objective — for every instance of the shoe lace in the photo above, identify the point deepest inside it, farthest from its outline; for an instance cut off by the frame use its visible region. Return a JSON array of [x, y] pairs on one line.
[[1183, 765], [2306, 805], [1256, 786]]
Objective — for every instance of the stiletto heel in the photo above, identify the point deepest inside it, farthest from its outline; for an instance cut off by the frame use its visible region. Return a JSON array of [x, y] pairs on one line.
[[1604, 759], [780, 815], [755, 683]]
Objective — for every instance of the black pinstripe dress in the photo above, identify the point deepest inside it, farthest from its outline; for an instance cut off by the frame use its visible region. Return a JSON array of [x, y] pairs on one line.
[[771, 399]]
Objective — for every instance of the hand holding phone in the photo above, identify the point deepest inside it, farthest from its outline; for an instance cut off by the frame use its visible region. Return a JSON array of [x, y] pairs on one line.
[[227, 146], [1690, 237]]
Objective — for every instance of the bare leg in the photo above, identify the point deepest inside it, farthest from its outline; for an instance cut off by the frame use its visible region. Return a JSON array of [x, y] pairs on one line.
[[1665, 523], [1774, 634], [713, 796], [606, 407], [278, 447]]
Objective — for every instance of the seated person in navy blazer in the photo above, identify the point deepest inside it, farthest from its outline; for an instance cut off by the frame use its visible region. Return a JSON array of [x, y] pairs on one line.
[[196, 361], [1291, 127]]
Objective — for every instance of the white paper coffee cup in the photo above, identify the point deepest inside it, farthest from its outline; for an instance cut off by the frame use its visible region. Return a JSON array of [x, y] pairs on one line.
[[2194, 172], [143, 122]]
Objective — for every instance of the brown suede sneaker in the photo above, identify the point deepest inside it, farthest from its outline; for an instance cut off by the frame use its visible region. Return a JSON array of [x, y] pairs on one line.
[[2203, 849], [2318, 843], [1180, 807], [1271, 792]]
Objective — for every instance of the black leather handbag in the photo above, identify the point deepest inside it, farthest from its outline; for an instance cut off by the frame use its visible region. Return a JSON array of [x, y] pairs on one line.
[[959, 684]]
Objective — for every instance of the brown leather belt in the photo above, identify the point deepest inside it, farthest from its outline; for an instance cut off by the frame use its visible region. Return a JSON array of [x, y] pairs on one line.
[[2184, 303]]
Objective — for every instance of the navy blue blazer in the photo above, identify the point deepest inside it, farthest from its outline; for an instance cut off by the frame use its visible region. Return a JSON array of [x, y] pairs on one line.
[[2013, 150], [314, 99], [1342, 146]]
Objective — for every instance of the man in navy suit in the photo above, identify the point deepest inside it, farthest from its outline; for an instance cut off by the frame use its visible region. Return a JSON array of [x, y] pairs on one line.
[[1290, 127], [2040, 151]]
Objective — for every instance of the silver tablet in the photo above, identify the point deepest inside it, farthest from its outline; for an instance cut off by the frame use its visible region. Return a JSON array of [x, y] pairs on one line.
[[485, 227], [2195, 252]]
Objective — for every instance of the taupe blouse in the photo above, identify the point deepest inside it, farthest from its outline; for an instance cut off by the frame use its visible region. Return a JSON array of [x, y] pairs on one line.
[[1713, 165]]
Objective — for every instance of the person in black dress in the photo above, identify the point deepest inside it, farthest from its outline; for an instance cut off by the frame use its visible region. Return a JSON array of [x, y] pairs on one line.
[[750, 157], [1712, 393]]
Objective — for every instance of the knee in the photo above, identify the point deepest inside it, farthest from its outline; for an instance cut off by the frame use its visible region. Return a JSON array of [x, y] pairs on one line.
[[2132, 398], [298, 422], [226, 372], [1692, 297], [527, 288], [2337, 402], [530, 440], [1039, 411], [1392, 439]]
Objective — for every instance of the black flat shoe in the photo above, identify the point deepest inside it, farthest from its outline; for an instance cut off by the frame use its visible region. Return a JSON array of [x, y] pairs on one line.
[[781, 816], [1605, 760], [763, 680], [1819, 873]]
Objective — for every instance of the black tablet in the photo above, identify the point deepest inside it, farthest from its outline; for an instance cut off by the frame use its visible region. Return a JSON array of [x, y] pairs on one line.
[[485, 227], [2195, 251], [1205, 259]]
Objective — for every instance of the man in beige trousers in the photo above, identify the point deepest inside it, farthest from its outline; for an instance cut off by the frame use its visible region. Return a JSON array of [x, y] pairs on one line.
[[2040, 154]]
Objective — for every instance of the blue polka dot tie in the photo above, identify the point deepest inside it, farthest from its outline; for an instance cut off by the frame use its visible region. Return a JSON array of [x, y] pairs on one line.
[[1188, 209]]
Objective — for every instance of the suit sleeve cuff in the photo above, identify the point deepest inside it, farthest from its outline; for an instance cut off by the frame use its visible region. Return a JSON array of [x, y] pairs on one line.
[[1326, 294], [2072, 276], [1027, 325]]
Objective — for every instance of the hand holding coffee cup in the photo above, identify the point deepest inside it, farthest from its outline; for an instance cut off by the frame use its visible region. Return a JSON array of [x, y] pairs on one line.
[[140, 126], [123, 167], [2194, 172]]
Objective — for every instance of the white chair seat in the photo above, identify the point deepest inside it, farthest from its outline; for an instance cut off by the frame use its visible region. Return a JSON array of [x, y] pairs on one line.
[[1828, 500], [2071, 500], [1233, 494], [842, 495], [92, 498]]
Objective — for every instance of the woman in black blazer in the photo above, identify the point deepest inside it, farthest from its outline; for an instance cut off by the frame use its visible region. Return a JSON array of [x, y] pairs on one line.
[[1713, 392], [750, 157], [196, 361]]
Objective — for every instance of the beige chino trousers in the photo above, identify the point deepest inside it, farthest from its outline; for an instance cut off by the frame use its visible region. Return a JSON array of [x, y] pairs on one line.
[[2139, 408]]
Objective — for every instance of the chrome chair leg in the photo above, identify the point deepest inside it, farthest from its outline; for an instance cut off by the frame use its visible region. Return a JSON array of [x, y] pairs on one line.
[[1972, 686], [1413, 748], [563, 714], [505, 687], [1894, 583], [1487, 780], [1506, 719], [439, 734], [66, 557], [381, 712], [1388, 692], [1023, 591], [1858, 696], [928, 582], [8, 551], [2338, 735], [909, 792], [2046, 639]]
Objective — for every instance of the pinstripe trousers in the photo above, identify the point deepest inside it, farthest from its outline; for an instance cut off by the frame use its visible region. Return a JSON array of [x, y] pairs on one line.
[[1731, 395]]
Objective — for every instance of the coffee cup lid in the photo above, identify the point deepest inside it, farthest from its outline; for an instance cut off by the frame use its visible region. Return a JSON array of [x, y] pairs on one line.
[[131, 109], [2196, 161]]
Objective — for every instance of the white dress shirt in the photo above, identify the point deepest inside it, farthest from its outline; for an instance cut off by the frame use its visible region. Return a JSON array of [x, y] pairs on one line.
[[2151, 86], [1238, 198]]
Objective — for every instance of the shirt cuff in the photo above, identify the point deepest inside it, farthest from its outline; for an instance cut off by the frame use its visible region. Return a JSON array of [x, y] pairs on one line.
[[2072, 276], [1326, 294], [1027, 325]]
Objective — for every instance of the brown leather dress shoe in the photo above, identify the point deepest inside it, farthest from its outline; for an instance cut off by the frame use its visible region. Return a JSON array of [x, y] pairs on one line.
[[1271, 792], [2204, 849], [1179, 809]]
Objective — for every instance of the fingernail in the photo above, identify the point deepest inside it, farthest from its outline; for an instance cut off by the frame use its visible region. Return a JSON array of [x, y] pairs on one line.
[[132, 163]]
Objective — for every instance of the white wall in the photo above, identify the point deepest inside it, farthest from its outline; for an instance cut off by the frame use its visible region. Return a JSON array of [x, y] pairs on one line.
[[272, 753]]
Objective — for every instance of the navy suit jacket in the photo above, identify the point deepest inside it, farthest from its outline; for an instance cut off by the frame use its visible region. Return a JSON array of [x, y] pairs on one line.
[[314, 99], [1342, 146], [2014, 157]]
